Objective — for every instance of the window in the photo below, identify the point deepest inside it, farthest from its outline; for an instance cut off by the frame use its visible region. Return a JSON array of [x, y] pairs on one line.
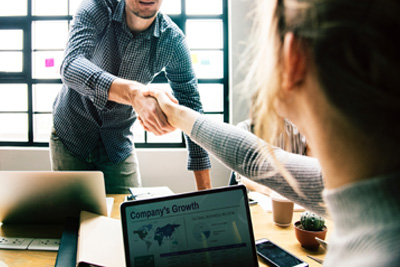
[[34, 33]]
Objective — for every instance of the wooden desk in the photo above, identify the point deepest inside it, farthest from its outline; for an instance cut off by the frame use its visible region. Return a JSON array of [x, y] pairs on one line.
[[284, 237], [262, 225]]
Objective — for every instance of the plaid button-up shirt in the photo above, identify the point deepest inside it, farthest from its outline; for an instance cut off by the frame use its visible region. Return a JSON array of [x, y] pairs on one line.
[[102, 48]]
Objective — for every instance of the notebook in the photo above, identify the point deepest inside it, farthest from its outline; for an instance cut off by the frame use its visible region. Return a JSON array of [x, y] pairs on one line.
[[202, 228], [33, 197]]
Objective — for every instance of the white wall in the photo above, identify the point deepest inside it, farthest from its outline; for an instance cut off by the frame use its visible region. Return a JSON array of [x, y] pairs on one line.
[[239, 28], [158, 166], [167, 166]]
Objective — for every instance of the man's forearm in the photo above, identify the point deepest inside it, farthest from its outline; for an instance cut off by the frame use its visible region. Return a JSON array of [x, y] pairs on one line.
[[203, 180], [123, 91]]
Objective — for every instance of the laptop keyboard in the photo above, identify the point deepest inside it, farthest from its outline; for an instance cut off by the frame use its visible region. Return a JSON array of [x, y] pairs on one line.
[[46, 244]]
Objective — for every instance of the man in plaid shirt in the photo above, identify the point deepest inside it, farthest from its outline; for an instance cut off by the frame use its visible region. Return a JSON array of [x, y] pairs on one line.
[[116, 48]]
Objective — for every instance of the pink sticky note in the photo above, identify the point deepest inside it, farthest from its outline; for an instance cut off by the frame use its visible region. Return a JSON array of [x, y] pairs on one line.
[[49, 62]]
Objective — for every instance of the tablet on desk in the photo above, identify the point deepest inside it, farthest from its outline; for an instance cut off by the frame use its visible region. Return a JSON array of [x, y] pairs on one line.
[[47, 197], [203, 228]]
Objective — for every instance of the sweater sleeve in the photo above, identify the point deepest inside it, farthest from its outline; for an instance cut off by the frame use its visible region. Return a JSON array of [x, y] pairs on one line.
[[248, 155]]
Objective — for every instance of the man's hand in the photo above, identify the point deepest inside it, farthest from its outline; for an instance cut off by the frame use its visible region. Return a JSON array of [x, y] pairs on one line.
[[178, 116], [151, 116], [147, 108], [166, 100], [203, 180]]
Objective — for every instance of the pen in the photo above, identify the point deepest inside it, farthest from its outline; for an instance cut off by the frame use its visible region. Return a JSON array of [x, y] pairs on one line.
[[317, 260], [323, 243]]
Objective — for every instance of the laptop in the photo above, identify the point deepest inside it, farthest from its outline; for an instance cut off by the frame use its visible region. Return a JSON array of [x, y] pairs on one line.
[[47, 197], [202, 228]]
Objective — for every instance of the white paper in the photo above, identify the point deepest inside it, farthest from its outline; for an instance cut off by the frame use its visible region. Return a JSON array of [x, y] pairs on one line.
[[100, 241], [110, 203], [150, 192]]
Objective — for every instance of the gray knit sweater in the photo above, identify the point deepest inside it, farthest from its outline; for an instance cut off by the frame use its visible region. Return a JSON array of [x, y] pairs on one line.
[[366, 215]]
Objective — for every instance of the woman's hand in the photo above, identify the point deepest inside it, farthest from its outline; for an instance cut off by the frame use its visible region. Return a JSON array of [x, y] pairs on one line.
[[178, 116], [166, 101]]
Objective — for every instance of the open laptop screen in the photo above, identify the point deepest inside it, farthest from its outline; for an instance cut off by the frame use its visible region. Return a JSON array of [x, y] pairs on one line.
[[204, 228]]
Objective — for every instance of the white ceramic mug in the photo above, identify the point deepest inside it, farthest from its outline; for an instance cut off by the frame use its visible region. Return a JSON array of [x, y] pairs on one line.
[[282, 210]]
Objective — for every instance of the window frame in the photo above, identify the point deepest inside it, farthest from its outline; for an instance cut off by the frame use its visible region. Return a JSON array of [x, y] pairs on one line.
[[25, 77]]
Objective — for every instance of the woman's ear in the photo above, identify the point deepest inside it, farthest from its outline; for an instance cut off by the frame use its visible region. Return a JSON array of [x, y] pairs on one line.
[[294, 62]]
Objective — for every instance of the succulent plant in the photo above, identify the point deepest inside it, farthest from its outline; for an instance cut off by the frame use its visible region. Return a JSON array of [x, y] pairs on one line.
[[311, 221]]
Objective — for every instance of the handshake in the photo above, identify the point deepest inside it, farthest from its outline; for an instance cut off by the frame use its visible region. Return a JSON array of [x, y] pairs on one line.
[[155, 111], [158, 110]]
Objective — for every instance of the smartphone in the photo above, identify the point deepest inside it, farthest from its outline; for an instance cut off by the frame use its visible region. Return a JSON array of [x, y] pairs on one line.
[[277, 256]]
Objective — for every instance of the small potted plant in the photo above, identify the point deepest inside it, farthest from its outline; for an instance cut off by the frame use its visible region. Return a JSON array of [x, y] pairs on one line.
[[310, 226]]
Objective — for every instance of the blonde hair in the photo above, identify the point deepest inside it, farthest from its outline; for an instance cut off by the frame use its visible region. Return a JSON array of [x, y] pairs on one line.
[[265, 71], [264, 77]]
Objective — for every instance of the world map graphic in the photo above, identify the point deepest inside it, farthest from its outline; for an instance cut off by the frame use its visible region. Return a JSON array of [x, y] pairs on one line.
[[148, 234]]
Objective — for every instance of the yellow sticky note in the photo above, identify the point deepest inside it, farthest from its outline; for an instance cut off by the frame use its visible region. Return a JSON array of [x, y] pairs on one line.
[[194, 59]]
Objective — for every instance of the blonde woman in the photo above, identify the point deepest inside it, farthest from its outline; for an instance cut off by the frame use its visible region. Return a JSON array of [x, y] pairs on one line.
[[332, 68]]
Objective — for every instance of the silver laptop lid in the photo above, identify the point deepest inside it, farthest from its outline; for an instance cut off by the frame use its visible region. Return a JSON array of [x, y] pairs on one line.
[[28, 197]]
